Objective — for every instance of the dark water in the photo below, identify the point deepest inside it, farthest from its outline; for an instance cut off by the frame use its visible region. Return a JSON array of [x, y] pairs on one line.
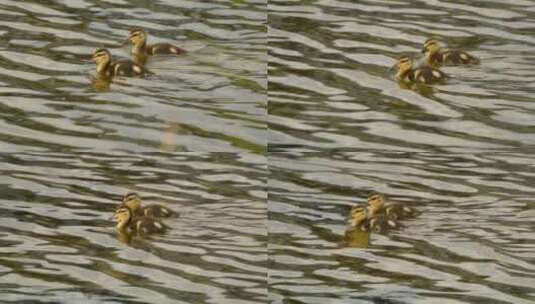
[[194, 136], [329, 85], [57, 243], [461, 152], [473, 242], [70, 148], [211, 100]]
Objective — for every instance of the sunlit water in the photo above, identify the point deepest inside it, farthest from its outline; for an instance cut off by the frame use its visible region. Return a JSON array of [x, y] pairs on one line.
[[473, 243], [58, 244], [70, 147], [329, 84], [213, 99]]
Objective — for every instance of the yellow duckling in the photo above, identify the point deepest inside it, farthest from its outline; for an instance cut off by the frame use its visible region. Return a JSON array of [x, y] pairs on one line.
[[435, 57], [129, 224], [379, 221], [423, 75], [393, 211], [357, 219], [357, 234], [108, 69], [140, 49], [133, 202]]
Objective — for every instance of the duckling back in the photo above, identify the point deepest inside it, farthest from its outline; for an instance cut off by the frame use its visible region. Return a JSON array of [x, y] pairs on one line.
[[457, 57], [155, 210], [126, 68], [146, 225], [164, 49], [381, 223], [400, 212], [426, 75]]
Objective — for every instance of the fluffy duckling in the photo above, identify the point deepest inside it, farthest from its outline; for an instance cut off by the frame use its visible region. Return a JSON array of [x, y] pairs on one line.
[[108, 69], [140, 49], [357, 219], [423, 75], [435, 57], [377, 204], [133, 202], [129, 224], [382, 223]]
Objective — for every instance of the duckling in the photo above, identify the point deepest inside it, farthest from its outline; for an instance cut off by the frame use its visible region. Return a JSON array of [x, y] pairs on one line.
[[129, 224], [422, 75], [357, 219], [382, 223], [435, 57], [392, 211], [108, 69], [140, 49], [133, 201], [356, 236]]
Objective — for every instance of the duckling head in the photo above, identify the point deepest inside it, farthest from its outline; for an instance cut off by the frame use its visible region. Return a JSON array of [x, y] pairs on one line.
[[357, 216], [403, 65], [431, 46], [132, 201], [137, 36], [122, 216], [376, 203], [102, 58]]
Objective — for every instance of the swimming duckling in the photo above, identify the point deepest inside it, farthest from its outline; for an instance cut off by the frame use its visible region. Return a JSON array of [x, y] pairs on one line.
[[140, 49], [108, 69], [382, 223], [357, 219], [393, 211], [435, 57], [422, 75], [129, 224], [133, 202]]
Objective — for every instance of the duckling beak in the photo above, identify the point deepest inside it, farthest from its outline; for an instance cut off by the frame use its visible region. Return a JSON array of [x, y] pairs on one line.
[[424, 50], [127, 41]]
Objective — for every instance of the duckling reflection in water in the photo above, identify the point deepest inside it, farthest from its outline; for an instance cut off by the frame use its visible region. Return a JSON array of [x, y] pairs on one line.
[[107, 69], [422, 75], [133, 202], [357, 232], [437, 57], [129, 224], [141, 50]]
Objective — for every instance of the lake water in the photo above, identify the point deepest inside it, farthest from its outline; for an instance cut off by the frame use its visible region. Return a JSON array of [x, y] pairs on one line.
[[263, 199], [341, 127], [70, 147], [59, 245], [330, 85], [473, 242], [213, 99]]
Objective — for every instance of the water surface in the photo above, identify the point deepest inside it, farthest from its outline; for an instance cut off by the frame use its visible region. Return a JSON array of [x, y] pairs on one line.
[[329, 84], [473, 243], [212, 99], [58, 244]]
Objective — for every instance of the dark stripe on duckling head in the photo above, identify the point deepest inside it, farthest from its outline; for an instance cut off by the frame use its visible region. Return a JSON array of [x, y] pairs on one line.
[[136, 30], [403, 59], [101, 51], [431, 39], [130, 195]]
